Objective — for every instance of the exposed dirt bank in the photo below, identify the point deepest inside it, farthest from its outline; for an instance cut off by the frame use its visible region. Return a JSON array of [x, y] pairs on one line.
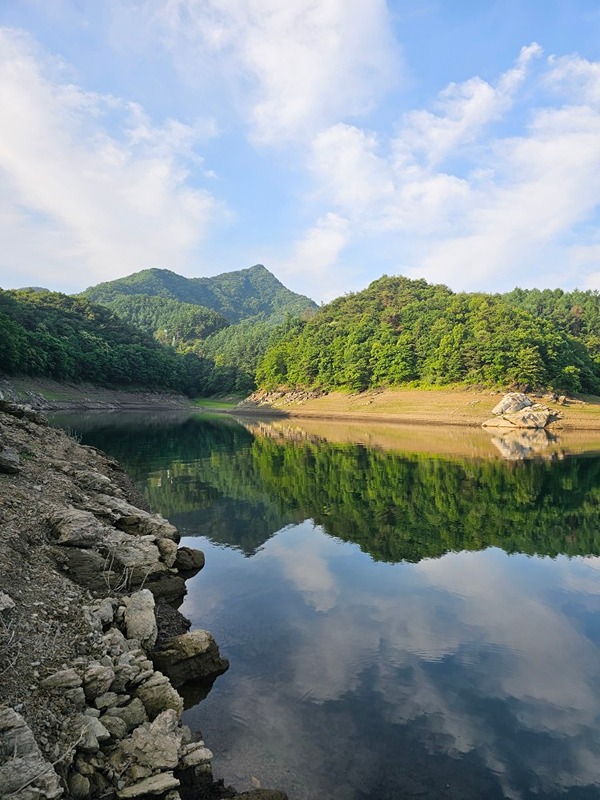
[[85, 627], [48, 395], [414, 406]]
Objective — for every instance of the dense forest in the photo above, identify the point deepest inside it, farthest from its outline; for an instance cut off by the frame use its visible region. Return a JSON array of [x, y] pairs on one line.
[[227, 320], [401, 331], [69, 338], [238, 330]]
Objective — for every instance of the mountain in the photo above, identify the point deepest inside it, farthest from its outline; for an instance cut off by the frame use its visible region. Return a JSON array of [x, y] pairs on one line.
[[400, 331], [234, 295]]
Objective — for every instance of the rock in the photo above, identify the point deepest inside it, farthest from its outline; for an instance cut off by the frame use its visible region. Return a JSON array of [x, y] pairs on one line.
[[195, 754], [74, 528], [88, 568], [97, 680], [6, 602], [262, 794], [92, 733], [167, 587], [109, 700], [22, 763], [156, 785], [189, 657], [156, 745], [65, 679], [140, 620], [168, 551], [189, 559], [134, 520], [536, 416], [513, 401], [132, 715], [79, 786], [103, 611], [114, 725], [157, 694], [9, 461]]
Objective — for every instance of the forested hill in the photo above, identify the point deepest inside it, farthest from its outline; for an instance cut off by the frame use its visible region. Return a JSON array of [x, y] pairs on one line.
[[235, 295], [400, 331], [227, 320], [66, 338]]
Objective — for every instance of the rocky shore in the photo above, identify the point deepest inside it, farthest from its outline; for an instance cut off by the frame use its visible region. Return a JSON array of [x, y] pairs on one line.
[[92, 647]]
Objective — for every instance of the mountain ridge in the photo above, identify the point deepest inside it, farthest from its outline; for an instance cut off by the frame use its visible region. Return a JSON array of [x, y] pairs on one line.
[[236, 295]]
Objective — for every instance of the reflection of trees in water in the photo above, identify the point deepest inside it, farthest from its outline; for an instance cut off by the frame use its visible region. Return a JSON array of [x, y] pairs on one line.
[[239, 489]]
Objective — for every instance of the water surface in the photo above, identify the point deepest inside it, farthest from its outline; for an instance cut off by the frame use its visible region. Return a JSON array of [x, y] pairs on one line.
[[399, 623]]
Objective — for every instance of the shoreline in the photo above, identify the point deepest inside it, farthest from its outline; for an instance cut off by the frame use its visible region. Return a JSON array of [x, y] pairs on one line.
[[418, 407], [92, 648]]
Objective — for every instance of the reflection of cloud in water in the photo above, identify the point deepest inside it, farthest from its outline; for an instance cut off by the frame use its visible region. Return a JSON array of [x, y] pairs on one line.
[[438, 648], [306, 568], [513, 646]]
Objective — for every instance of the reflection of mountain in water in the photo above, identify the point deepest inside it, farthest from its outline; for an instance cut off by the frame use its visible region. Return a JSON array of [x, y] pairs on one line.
[[215, 478]]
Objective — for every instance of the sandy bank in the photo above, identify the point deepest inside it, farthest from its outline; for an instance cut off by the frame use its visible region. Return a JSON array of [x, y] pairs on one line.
[[411, 406]]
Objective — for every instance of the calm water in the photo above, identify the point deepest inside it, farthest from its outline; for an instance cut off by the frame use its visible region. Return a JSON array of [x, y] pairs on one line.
[[399, 624]]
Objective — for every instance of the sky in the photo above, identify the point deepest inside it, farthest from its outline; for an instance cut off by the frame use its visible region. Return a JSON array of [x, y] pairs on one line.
[[333, 141]]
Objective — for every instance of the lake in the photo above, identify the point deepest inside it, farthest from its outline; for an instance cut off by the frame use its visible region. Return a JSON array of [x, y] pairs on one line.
[[408, 612]]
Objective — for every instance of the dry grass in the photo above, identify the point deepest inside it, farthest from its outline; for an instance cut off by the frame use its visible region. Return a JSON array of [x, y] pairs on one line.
[[428, 406]]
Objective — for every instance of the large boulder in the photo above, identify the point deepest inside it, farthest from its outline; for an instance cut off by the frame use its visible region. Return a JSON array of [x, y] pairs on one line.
[[189, 657], [535, 416], [511, 402]]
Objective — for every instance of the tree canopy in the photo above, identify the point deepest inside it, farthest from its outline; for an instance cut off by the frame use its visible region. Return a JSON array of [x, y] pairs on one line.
[[400, 331]]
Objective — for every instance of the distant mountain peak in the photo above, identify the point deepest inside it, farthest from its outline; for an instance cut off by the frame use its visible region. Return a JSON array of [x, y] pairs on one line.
[[236, 295]]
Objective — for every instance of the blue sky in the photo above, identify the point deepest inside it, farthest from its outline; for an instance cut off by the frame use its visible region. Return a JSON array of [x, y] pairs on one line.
[[331, 140]]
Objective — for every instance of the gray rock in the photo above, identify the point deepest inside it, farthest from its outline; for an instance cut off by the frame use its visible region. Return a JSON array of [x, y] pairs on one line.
[[109, 700], [9, 461], [511, 402], [88, 568], [189, 559], [158, 695], [21, 761], [189, 657], [155, 785], [6, 602], [116, 726], [92, 733], [156, 745], [74, 528], [536, 416], [65, 679], [97, 680], [194, 754], [140, 619], [168, 551], [133, 714], [79, 786]]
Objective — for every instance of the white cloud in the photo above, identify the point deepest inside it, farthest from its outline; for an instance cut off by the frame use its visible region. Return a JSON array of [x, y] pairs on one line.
[[469, 208], [293, 67], [315, 257], [74, 195]]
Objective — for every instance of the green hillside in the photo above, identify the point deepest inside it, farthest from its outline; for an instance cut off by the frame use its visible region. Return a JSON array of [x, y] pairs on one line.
[[235, 295], [69, 338], [227, 320], [400, 331]]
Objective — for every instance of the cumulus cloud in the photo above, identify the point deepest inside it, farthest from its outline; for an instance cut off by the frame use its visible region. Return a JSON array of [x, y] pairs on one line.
[[293, 67], [75, 195], [463, 200]]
